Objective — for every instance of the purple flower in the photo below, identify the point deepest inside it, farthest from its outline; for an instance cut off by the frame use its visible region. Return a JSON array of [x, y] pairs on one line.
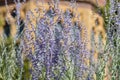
[[55, 46]]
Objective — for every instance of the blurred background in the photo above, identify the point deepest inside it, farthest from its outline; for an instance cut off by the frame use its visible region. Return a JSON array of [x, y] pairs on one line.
[[90, 16]]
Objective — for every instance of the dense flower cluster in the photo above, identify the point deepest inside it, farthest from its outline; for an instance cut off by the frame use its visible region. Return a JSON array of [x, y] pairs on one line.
[[55, 47]]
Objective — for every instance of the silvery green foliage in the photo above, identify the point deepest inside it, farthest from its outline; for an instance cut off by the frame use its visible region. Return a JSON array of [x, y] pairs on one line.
[[114, 42], [11, 66], [112, 49], [8, 67], [56, 51]]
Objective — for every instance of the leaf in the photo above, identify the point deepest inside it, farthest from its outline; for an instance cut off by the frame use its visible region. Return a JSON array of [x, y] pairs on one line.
[[1, 77]]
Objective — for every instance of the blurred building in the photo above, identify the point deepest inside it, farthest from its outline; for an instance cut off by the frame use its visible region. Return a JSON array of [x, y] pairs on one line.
[[91, 19]]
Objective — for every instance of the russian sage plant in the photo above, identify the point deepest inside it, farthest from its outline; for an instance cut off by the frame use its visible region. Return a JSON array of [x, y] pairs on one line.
[[54, 46], [110, 62], [114, 39], [8, 67]]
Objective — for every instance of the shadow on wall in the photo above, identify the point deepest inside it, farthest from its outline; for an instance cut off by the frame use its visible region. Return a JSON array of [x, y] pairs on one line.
[[7, 26], [22, 25]]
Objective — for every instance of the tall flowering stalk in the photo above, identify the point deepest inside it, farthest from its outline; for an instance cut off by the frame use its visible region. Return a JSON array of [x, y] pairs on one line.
[[110, 60], [114, 43], [54, 46]]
